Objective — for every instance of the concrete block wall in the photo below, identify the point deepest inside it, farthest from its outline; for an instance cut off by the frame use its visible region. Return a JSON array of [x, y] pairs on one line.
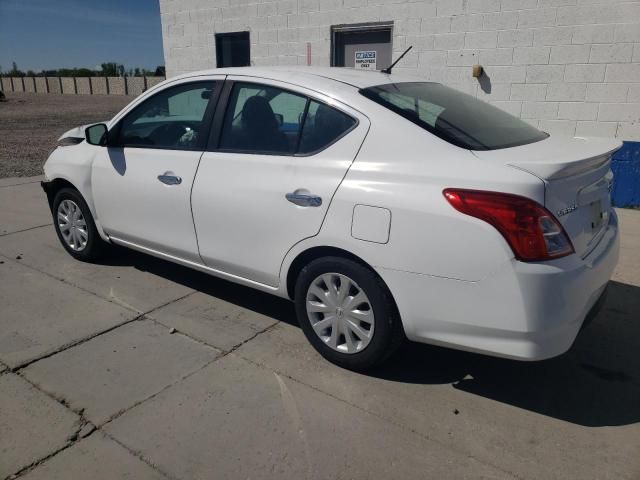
[[79, 85], [153, 81], [29, 84], [135, 85], [41, 84], [6, 84], [68, 85], [99, 85], [83, 85], [567, 66], [54, 85], [18, 86], [116, 86]]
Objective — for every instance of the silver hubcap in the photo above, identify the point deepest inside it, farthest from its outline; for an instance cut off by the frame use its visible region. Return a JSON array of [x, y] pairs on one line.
[[340, 313], [73, 226]]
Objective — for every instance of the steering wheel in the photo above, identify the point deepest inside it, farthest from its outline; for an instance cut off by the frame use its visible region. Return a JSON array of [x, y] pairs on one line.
[[168, 134]]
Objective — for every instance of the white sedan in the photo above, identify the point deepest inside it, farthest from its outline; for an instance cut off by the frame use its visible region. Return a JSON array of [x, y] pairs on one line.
[[384, 206]]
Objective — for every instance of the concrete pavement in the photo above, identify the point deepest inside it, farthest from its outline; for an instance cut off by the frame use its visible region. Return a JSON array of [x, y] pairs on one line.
[[94, 385]]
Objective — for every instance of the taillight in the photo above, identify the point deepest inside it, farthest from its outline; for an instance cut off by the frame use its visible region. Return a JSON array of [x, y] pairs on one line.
[[530, 229]]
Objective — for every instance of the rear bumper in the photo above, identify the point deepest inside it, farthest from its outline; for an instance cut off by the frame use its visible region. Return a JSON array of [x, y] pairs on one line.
[[525, 311]]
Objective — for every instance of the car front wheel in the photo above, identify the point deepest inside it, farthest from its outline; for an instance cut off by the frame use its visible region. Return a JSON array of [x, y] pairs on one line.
[[347, 313], [75, 226]]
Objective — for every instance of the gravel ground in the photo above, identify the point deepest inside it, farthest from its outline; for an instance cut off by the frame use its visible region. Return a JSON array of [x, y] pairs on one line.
[[30, 124]]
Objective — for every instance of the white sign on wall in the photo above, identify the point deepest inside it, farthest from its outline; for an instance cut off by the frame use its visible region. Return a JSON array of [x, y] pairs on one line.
[[366, 60]]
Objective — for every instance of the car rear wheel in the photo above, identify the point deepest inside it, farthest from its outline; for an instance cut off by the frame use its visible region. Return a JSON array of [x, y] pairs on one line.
[[347, 313], [75, 226]]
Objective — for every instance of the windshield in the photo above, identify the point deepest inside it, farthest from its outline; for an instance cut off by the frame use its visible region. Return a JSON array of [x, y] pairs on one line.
[[454, 116]]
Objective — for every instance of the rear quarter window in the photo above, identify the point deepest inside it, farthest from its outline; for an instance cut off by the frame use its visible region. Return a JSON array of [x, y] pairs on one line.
[[323, 126], [456, 117]]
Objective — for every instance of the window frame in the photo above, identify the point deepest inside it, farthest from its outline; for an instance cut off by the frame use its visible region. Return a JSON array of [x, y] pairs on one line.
[[207, 119], [224, 103]]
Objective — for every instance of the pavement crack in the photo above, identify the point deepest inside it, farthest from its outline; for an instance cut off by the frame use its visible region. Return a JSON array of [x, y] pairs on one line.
[[23, 471], [187, 375], [21, 183], [75, 343], [83, 428], [66, 282], [384, 418], [25, 230], [140, 457], [142, 316]]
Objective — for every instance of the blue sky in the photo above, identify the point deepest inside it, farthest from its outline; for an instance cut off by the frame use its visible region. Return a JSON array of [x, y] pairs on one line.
[[48, 34]]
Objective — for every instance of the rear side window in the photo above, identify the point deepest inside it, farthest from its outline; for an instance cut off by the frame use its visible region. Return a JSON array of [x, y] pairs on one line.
[[323, 126], [270, 120], [454, 116], [262, 119]]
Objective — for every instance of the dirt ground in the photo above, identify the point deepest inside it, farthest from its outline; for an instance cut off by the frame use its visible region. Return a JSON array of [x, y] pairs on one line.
[[30, 125]]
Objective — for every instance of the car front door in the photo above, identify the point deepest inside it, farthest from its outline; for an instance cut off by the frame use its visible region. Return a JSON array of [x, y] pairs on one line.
[[276, 158], [142, 182]]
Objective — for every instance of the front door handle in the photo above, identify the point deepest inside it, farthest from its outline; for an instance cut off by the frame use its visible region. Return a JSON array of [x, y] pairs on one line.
[[168, 178], [304, 199]]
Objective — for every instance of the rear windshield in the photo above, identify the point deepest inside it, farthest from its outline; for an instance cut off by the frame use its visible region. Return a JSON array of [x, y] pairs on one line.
[[454, 116]]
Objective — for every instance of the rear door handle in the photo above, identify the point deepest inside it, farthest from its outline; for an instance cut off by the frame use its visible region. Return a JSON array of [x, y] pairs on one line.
[[304, 199], [168, 178]]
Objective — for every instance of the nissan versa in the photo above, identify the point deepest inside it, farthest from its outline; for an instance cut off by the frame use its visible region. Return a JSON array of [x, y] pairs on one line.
[[384, 206]]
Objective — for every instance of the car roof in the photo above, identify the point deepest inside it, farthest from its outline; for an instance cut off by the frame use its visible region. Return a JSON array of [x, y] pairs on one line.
[[303, 75]]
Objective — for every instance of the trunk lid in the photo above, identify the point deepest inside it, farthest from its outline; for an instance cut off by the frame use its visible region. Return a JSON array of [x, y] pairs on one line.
[[577, 177]]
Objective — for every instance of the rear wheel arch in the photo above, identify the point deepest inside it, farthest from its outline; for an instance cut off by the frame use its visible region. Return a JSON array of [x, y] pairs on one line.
[[316, 265], [311, 254], [307, 256]]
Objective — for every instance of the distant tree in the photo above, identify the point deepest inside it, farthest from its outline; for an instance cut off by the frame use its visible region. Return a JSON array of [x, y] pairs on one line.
[[160, 71], [73, 72], [84, 72], [109, 69], [14, 70], [31, 73]]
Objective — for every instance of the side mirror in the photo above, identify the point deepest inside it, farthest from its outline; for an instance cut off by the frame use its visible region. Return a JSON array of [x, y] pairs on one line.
[[96, 134], [279, 118]]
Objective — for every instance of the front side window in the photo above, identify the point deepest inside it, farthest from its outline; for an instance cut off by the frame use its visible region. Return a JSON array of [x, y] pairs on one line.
[[173, 118], [265, 119], [454, 116]]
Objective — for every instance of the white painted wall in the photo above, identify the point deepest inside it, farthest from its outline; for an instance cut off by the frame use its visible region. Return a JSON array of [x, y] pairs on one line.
[[567, 66]]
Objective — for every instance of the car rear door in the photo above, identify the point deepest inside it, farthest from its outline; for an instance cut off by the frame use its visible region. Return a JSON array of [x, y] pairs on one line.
[[142, 182], [277, 155]]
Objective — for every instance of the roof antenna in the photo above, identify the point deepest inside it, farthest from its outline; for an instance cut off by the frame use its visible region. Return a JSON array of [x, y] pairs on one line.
[[388, 69]]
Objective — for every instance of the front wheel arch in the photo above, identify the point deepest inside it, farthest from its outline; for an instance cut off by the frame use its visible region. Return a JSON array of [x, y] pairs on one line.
[[54, 186]]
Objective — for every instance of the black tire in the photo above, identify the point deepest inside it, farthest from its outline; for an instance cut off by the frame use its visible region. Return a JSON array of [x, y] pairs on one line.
[[95, 247], [388, 334]]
